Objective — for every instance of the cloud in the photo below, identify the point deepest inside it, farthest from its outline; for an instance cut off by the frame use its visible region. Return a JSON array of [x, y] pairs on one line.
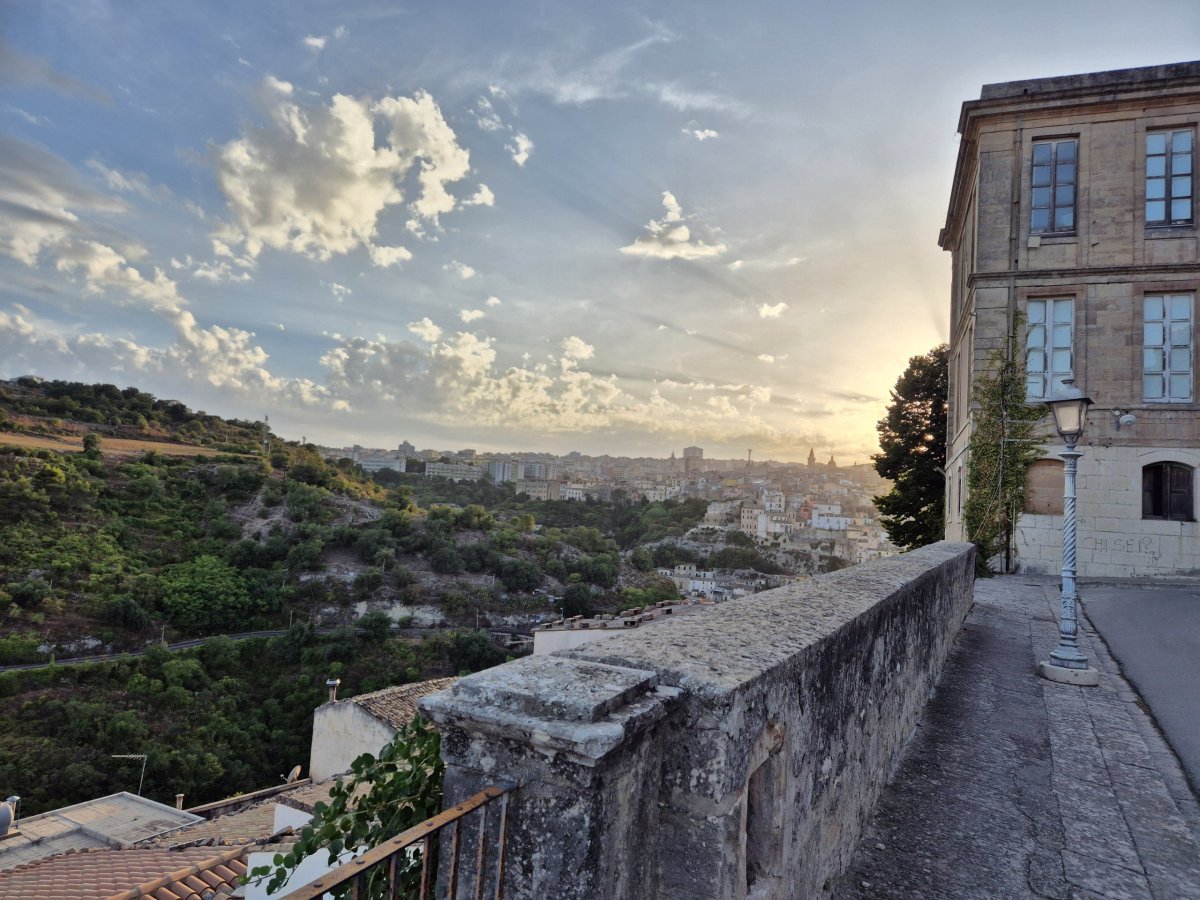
[[701, 134], [340, 32], [670, 238], [315, 43], [485, 115], [340, 291], [219, 271], [470, 315], [128, 182], [520, 147], [22, 70], [766, 357], [27, 116], [482, 197], [425, 330], [767, 311], [493, 301], [388, 256], [315, 180], [577, 348], [687, 100], [464, 271]]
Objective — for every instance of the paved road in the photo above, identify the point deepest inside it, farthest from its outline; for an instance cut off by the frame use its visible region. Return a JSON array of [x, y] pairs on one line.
[[1154, 633]]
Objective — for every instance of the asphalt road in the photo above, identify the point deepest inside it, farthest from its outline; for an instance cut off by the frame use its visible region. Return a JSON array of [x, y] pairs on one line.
[[1154, 633]]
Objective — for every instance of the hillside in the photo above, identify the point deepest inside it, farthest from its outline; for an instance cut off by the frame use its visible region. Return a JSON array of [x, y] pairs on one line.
[[126, 520]]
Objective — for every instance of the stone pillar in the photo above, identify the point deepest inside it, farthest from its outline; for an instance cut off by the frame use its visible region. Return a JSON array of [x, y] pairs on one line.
[[579, 738]]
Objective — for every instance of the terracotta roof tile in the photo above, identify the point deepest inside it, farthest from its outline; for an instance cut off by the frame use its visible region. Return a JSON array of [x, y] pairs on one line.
[[100, 874], [397, 705]]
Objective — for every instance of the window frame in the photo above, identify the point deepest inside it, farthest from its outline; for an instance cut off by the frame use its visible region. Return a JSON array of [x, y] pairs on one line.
[[1052, 186], [1170, 350], [1171, 160], [1163, 495], [1047, 373]]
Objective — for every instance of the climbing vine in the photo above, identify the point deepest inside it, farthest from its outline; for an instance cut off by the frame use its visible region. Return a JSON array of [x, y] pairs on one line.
[[381, 797], [1001, 448]]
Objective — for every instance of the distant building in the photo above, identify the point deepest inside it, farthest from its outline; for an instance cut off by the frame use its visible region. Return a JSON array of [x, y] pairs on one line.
[[540, 490], [501, 470], [1073, 207], [453, 471], [377, 462]]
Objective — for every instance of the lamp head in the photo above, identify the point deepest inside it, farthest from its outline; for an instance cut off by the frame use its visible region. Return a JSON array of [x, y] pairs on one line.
[[1069, 406]]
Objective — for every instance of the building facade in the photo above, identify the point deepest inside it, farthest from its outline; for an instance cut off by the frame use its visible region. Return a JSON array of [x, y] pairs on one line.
[[1072, 220]]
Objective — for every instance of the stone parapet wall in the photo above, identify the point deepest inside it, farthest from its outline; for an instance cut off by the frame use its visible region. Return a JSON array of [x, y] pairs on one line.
[[734, 754]]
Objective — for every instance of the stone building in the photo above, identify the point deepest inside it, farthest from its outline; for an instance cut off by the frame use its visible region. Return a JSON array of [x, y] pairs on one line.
[[1073, 207]]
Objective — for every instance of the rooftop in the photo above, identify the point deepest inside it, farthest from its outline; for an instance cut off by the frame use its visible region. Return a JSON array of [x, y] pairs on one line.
[[397, 705], [98, 874], [119, 820], [1093, 82]]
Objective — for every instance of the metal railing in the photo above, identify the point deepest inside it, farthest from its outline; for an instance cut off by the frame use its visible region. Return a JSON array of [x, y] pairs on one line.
[[385, 870]]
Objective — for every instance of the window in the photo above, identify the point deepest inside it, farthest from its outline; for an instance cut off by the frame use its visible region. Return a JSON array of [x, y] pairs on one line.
[[1167, 348], [1167, 491], [1053, 187], [1048, 337], [1169, 177]]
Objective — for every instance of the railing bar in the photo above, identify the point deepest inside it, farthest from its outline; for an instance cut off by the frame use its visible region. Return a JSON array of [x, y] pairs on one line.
[[454, 859], [356, 886], [500, 847], [393, 888], [481, 853], [426, 853], [405, 839]]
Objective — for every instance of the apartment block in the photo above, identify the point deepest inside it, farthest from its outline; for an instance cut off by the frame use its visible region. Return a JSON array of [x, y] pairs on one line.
[[1073, 213]]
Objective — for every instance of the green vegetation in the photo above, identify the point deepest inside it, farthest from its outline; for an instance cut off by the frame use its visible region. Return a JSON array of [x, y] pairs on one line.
[[913, 440], [1001, 448], [224, 718], [399, 789]]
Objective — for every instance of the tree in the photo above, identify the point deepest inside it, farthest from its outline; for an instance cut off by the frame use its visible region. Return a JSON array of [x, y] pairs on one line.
[[205, 591], [91, 445], [1001, 447], [577, 600], [913, 439]]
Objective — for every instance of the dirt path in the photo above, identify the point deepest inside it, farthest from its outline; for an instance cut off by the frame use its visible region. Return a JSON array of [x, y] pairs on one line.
[[108, 446]]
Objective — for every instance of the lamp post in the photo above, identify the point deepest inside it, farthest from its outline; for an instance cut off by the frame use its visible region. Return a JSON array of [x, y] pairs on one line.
[[1067, 665]]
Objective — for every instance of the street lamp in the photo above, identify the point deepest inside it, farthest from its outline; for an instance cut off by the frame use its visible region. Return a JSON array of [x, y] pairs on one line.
[[1067, 665]]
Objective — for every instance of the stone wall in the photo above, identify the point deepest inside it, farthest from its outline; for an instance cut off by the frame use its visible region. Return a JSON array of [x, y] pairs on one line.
[[732, 754], [1113, 540]]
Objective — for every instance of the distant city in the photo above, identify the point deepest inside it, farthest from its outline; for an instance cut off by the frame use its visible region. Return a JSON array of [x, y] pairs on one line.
[[799, 511]]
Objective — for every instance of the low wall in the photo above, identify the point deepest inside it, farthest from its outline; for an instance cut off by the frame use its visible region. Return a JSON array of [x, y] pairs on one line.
[[732, 754]]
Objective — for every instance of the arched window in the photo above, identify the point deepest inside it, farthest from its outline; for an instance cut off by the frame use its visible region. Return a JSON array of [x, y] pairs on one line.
[[1167, 492]]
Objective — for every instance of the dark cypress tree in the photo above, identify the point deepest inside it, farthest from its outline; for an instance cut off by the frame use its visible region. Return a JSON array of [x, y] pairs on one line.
[[913, 440]]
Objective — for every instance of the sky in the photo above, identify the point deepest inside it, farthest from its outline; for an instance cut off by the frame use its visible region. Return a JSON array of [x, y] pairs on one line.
[[608, 227]]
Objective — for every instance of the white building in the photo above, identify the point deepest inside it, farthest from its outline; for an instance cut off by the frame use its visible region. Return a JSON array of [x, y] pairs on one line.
[[453, 471]]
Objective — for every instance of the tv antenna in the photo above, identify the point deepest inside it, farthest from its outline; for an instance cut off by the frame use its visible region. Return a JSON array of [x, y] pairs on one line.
[[142, 757]]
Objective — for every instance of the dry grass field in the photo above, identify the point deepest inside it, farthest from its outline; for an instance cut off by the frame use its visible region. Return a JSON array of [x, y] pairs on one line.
[[108, 446]]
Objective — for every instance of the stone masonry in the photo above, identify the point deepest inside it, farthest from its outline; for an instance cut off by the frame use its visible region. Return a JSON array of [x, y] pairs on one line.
[[736, 754]]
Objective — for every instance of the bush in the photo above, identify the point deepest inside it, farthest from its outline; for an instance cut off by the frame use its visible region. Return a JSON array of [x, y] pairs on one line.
[[127, 613]]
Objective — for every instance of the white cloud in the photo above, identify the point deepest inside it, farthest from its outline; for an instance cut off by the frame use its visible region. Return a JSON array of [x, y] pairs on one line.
[[470, 315], [388, 256], [486, 116], [462, 269], [425, 330], [340, 32], [315, 180], [766, 357], [520, 148], [493, 301], [736, 265], [670, 238], [340, 291], [482, 197], [217, 272], [315, 43], [702, 134], [577, 348], [767, 311]]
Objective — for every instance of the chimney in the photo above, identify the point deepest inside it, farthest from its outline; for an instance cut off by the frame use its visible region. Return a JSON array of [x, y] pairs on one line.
[[332, 684], [179, 801]]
